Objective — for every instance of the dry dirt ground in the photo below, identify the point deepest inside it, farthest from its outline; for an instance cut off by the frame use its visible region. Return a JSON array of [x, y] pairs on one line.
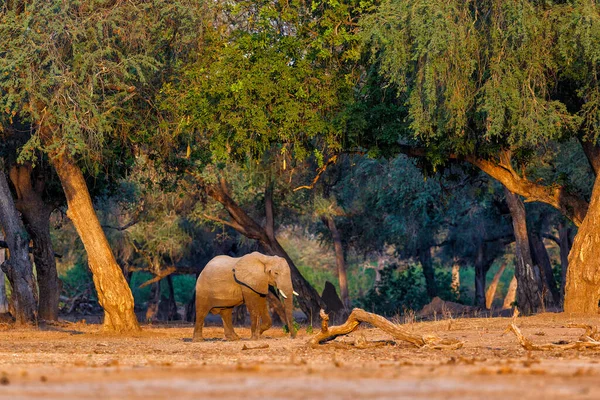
[[76, 361]]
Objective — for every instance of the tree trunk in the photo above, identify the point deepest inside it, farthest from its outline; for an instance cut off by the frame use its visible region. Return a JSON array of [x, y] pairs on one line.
[[542, 260], [190, 308], [114, 295], [308, 299], [564, 243], [511, 294], [483, 263], [340, 260], [3, 298], [36, 215], [582, 290], [428, 272], [173, 313], [153, 300], [528, 288], [18, 267], [491, 291], [455, 285]]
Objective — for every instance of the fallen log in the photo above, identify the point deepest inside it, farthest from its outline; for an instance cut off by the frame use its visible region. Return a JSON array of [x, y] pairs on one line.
[[358, 316]]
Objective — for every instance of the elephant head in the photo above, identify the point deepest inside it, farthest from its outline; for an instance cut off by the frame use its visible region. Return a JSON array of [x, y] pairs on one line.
[[271, 271]]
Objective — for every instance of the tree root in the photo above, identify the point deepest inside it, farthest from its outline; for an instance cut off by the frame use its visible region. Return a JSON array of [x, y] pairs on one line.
[[589, 340], [359, 316]]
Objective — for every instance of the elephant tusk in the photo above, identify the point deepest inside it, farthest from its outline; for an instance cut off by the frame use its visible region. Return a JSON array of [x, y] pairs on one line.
[[295, 293], [283, 294]]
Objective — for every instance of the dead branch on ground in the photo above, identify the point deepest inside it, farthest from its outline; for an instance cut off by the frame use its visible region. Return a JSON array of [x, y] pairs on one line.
[[359, 316], [589, 340]]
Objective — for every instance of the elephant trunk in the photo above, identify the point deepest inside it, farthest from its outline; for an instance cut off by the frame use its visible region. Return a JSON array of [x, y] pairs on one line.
[[288, 305], [286, 290]]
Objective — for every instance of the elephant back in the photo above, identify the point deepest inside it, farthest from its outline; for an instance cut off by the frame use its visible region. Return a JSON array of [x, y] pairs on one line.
[[218, 268]]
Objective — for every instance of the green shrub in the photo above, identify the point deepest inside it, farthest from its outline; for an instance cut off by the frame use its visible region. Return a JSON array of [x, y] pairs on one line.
[[396, 292], [399, 291], [78, 279]]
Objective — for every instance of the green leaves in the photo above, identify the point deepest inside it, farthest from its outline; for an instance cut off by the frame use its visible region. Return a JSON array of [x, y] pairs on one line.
[[274, 74], [476, 75], [75, 67]]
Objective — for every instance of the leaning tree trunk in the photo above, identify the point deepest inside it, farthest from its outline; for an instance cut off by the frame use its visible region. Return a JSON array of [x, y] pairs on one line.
[[543, 261], [455, 285], [114, 295], [511, 294], [153, 300], [428, 272], [340, 260], [582, 290], [3, 298], [490, 293], [528, 288], [18, 267], [36, 215]]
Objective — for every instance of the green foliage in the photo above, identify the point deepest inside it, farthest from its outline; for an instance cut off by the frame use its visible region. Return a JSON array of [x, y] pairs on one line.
[[77, 280], [140, 296], [477, 76], [286, 330], [183, 286], [400, 291], [396, 292], [270, 76]]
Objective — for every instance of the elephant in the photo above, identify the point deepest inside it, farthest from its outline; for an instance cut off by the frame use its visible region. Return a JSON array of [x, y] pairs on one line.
[[226, 282]]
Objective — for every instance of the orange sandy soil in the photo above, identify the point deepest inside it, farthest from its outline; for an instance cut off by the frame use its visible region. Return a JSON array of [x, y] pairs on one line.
[[76, 361]]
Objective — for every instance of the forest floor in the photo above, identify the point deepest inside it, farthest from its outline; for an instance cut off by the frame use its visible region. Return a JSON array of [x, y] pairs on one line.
[[76, 361]]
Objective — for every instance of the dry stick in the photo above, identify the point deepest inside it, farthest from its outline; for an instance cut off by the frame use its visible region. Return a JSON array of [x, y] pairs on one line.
[[587, 341], [260, 346], [359, 316], [590, 331]]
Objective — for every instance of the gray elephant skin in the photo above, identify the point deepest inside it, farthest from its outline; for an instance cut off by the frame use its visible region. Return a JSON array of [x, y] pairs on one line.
[[227, 282]]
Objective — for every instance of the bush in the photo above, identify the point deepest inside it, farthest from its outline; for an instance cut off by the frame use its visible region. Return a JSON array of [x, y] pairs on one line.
[[77, 280], [399, 291], [396, 292], [183, 286]]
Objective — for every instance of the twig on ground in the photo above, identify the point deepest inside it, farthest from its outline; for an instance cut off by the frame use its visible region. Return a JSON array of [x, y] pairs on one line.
[[260, 346]]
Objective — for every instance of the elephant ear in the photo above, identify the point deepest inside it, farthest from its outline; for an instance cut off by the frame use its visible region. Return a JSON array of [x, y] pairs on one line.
[[250, 272]]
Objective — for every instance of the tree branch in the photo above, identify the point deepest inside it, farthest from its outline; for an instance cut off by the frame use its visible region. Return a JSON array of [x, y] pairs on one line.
[[233, 224], [592, 152], [243, 222], [320, 171], [551, 237], [124, 227], [4, 245], [269, 215], [570, 205], [159, 277]]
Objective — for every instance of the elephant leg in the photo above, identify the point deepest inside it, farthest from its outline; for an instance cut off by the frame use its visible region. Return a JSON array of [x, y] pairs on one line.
[[255, 305], [202, 310], [227, 324], [265, 319]]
